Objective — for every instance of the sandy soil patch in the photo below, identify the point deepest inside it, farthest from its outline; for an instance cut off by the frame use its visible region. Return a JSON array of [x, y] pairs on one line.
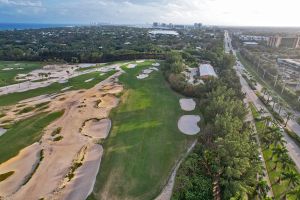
[[131, 66], [59, 156], [22, 165], [97, 129], [187, 104], [187, 124], [85, 177]]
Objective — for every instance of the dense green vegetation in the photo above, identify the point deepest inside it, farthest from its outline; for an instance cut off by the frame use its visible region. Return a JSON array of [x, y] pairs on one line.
[[7, 77], [226, 154], [76, 83], [24, 133], [6, 175], [279, 165], [144, 143], [95, 44]]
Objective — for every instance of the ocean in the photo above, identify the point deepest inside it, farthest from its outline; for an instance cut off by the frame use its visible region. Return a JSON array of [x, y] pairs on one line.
[[22, 26]]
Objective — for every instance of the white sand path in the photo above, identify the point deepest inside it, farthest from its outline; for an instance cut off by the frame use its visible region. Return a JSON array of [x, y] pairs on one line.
[[167, 191]]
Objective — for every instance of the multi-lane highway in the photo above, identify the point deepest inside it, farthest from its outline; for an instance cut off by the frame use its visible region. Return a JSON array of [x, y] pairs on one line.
[[292, 147]]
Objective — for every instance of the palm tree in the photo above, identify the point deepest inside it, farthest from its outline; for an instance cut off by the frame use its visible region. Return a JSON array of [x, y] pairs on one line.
[[262, 189], [292, 177], [286, 162], [295, 193], [288, 115], [278, 138], [264, 90], [278, 152]]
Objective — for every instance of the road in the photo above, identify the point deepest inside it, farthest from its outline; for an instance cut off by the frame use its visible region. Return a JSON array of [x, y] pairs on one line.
[[292, 147]]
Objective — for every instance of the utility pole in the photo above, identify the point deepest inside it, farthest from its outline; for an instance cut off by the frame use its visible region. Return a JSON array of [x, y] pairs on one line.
[[264, 73]]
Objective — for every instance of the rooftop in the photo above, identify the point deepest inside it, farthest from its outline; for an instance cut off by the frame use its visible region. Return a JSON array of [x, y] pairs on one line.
[[207, 70]]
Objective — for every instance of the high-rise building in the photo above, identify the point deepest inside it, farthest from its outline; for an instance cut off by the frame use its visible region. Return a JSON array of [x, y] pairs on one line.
[[197, 25]]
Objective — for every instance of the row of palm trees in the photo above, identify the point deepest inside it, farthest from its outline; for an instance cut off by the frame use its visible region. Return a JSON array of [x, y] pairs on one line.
[[279, 103], [271, 136]]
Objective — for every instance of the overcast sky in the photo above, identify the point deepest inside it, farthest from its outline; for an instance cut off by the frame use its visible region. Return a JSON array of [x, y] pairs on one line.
[[212, 12]]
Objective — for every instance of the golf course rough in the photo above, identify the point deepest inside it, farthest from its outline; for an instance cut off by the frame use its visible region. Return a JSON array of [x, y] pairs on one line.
[[144, 143]]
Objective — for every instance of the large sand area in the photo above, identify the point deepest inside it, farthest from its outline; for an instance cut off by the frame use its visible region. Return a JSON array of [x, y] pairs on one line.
[[83, 123]]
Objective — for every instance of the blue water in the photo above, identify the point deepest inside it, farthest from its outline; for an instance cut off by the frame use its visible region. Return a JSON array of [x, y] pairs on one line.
[[22, 26]]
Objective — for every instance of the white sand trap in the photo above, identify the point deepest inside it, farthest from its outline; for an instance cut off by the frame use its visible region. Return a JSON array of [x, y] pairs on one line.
[[97, 129], [22, 165], [85, 177], [108, 101], [7, 69], [66, 88], [147, 71], [142, 76], [63, 81], [154, 68], [2, 131], [131, 66], [187, 124], [156, 64], [89, 80], [140, 61], [187, 104]]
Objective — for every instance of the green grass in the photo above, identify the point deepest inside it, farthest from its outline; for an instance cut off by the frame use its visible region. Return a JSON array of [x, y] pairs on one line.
[[278, 189], [24, 133], [144, 142], [26, 110], [8, 77], [76, 83], [6, 175]]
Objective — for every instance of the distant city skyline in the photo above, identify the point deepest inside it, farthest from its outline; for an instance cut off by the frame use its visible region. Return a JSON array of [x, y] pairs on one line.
[[210, 12]]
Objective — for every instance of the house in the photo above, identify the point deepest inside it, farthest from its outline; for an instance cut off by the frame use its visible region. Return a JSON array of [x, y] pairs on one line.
[[206, 71]]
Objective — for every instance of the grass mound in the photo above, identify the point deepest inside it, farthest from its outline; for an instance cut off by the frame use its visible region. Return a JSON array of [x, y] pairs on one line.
[[24, 133], [144, 143]]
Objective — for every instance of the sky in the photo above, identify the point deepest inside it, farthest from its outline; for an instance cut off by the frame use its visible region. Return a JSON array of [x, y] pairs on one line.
[[209, 12]]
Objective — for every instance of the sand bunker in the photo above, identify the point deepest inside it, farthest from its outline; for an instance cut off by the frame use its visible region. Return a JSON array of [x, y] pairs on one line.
[[187, 104], [145, 73], [2, 131], [66, 88], [97, 129], [142, 76], [7, 69], [187, 124], [156, 64], [89, 80], [131, 66], [140, 61], [22, 165], [108, 101]]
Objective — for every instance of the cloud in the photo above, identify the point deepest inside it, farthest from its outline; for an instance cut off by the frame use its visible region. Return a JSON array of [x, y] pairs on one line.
[[32, 3]]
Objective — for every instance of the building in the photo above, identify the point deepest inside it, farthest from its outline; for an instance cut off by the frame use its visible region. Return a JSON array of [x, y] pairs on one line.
[[256, 38], [287, 42], [197, 25], [206, 71], [291, 63]]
